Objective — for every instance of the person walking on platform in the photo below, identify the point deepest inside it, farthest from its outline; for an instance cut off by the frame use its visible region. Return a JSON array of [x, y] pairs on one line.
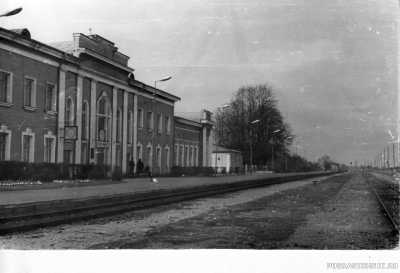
[[131, 167], [139, 167]]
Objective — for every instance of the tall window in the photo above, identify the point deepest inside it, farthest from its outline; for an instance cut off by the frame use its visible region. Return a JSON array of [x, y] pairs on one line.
[[48, 149], [3, 144], [50, 98], [167, 159], [139, 152], [196, 156], [103, 120], [158, 156], [167, 124], [130, 128], [140, 118], [149, 157], [119, 119], [85, 121], [29, 92], [69, 112], [27, 148], [5, 87], [182, 151], [191, 156], [159, 123], [150, 121]]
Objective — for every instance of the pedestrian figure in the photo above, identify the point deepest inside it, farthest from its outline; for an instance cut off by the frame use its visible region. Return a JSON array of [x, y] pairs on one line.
[[131, 167], [139, 167]]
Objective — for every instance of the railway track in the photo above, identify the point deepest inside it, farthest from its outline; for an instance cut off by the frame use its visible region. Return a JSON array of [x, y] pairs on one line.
[[114, 205], [387, 193]]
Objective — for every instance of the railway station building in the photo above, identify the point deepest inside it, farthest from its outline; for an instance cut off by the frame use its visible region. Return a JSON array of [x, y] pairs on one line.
[[193, 139], [79, 102]]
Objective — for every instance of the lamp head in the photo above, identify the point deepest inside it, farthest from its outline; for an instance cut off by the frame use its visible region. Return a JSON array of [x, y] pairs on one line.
[[255, 121], [12, 12]]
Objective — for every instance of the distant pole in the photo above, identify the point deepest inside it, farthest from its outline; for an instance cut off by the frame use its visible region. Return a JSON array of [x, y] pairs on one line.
[[251, 145], [394, 158]]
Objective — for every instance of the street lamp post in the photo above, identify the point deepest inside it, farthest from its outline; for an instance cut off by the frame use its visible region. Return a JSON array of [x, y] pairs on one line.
[[154, 124], [296, 155], [11, 13], [251, 145], [216, 144]]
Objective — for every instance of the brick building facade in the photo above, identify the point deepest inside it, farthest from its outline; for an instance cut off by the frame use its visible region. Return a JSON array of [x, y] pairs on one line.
[[193, 139], [78, 102]]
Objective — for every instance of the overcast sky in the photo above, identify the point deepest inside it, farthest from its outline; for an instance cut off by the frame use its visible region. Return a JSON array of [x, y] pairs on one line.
[[333, 64]]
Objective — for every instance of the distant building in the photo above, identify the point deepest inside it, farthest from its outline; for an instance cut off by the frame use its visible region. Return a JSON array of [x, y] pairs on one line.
[[193, 139], [78, 102], [226, 158], [335, 167]]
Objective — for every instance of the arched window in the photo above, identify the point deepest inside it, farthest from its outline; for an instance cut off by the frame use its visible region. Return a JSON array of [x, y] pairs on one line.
[[103, 120], [130, 129], [69, 112], [85, 121], [119, 127]]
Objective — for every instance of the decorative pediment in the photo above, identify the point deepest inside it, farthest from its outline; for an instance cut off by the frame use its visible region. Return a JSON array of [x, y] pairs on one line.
[[3, 128], [50, 133], [28, 130]]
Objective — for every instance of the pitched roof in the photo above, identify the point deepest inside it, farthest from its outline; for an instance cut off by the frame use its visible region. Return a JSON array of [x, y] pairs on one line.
[[224, 150], [66, 46]]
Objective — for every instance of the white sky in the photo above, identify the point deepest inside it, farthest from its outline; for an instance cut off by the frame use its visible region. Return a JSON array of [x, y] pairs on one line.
[[333, 63]]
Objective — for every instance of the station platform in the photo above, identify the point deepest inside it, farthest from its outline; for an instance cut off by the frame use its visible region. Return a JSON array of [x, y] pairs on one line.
[[128, 186]]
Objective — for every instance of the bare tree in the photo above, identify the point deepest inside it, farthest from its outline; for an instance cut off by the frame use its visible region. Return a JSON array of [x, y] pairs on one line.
[[270, 135]]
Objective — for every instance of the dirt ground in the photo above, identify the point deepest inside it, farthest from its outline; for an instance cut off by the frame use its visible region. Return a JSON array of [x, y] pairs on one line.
[[336, 213]]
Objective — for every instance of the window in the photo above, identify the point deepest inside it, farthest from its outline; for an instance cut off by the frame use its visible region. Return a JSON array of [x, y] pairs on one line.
[[191, 156], [149, 156], [30, 93], [27, 148], [3, 145], [167, 125], [159, 123], [139, 151], [85, 121], [119, 120], [48, 150], [187, 156], [130, 128], [5, 88], [158, 156], [50, 101], [103, 120], [140, 119], [69, 112], [150, 121], [166, 159]]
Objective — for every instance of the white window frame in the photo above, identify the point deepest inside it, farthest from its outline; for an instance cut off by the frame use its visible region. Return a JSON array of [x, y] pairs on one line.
[[8, 103], [139, 152], [107, 117], [140, 119], [70, 120], [32, 106], [28, 132], [167, 156], [4, 130], [53, 102], [158, 157], [50, 135]]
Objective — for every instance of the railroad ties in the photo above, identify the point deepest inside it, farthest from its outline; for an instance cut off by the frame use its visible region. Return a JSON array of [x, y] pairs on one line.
[[386, 190]]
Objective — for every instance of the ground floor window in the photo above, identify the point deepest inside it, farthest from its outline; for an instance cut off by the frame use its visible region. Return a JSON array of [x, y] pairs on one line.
[[149, 157], [48, 149], [158, 156], [27, 148]]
